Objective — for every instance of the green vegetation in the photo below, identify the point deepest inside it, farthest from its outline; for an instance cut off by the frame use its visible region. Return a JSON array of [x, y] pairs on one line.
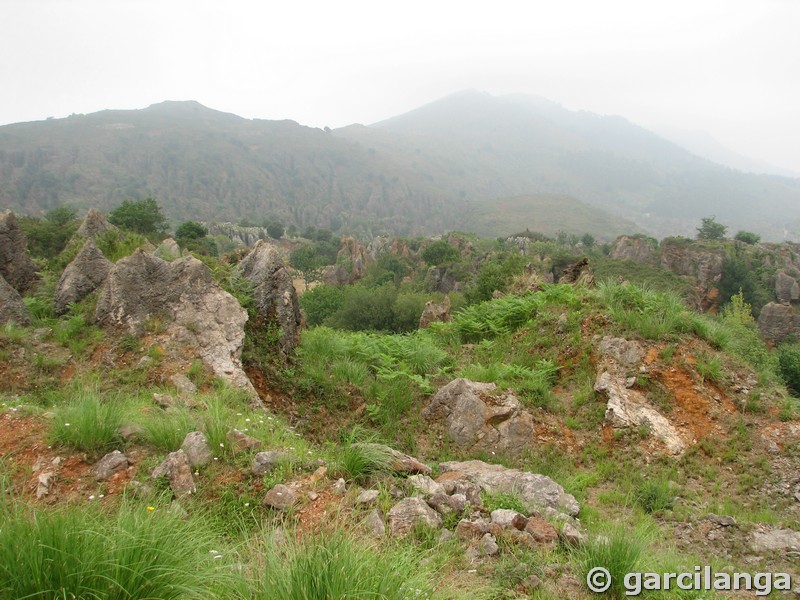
[[88, 423], [711, 230], [139, 216], [440, 252]]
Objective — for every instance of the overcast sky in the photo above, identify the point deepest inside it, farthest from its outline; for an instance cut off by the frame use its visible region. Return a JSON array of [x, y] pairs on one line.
[[730, 68]]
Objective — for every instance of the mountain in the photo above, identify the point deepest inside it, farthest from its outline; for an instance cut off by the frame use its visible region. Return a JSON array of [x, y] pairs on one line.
[[446, 165]]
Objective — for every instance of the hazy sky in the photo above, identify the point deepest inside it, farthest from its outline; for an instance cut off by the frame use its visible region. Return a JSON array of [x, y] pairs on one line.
[[727, 67]]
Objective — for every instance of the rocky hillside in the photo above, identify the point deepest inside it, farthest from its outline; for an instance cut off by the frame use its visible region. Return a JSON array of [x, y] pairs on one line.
[[463, 162], [178, 433]]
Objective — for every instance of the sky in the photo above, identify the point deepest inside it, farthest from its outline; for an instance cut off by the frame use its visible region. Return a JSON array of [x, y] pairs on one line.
[[726, 68]]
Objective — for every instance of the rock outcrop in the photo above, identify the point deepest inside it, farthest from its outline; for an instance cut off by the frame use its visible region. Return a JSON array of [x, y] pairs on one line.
[[12, 308], [86, 273], [16, 267], [196, 312], [168, 249], [352, 263], [408, 513], [634, 248], [778, 321], [94, 224], [246, 236], [477, 418], [439, 279], [274, 295], [536, 492], [787, 287], [578, 273], [435, 313]]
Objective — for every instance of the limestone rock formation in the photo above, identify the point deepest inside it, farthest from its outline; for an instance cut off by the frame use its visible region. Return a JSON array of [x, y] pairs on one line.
[[628, 408], [634, 248], [86, 273], [197, 449], [787, 287], [168, 249], [778, 321], [94, 224], [178, 471], [12, 308], [196, 312], [352, 263], [435, 313], [536, 491], [477, 418], [16, 266], [578, 273], [438, 279], [407, 513], [274, 295]]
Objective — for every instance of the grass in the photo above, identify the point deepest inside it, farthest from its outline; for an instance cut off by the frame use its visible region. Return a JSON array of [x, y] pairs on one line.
[[359, 456], [166, 430], [336, 565], [619, 550], [83, 553], [88, 423]]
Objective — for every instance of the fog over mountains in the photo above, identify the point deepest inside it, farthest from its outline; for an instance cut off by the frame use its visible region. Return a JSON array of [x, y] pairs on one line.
[[494, 165]]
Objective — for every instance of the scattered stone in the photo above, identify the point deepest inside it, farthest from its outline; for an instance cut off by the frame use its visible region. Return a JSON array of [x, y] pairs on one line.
[[178, 471], [274, 296], [313, 496], [536, 491], [85, 274], [776, 540], [408, 512], [367, 497], [542, 531], [44, 483], [454, 485], [721, 520], [424, 484], [264, 462], [339, 486], [375, 524], [129, 431], [242, 442], [488, 545], [280, 497], [183, 384], [165, 401], [470, 530], [572, 536], [108, 465], [16, 266], [477, 418], [506, 517], [197, 449], [445, 535], [447, 505], [12, 308], [532, 582]]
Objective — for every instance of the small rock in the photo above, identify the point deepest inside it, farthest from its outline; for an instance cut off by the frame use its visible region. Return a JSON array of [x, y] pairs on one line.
[[367, 497], [280, 497], [178, 471], [505, 517], [318, 474], [197, 449], [165, 400], [446, 505], [532, 582], [110, 464], [375, 524], [572, 536], [488, 545], [45, 483], [128, 431], [470, 530], [425, 484], [264, 462], [340, 486], [409, 512], [445, 535], [773, 448], [722, 521], [183, 384], [313, 496], [542, 531], [241, 441]]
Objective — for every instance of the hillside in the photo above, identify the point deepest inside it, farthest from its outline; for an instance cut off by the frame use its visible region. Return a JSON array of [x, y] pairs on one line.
[[418, 173]]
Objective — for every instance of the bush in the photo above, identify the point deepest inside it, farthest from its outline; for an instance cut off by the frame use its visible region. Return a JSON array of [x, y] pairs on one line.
[[321, 302], [366, 309], [789, 366], [747, 237], [440, 252], [139, 216], [655, 495]]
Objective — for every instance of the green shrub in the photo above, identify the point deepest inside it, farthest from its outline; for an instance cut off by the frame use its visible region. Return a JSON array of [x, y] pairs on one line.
[[655, 495], [359, 456], [321, 302], [88, 424], [167, 430]]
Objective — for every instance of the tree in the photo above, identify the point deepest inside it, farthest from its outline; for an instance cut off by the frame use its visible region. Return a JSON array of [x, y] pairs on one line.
[[747, 237], [305, 259], [140, 216], [588, 240], [711, 230], [275, 230], [190, 230], [440, 252]]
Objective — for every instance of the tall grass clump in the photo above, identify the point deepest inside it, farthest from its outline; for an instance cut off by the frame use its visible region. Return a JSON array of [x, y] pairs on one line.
[[88, 423], [640, 310], [167, 430], [336, 565], [359, 455], [83, 553], [620, 551]]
